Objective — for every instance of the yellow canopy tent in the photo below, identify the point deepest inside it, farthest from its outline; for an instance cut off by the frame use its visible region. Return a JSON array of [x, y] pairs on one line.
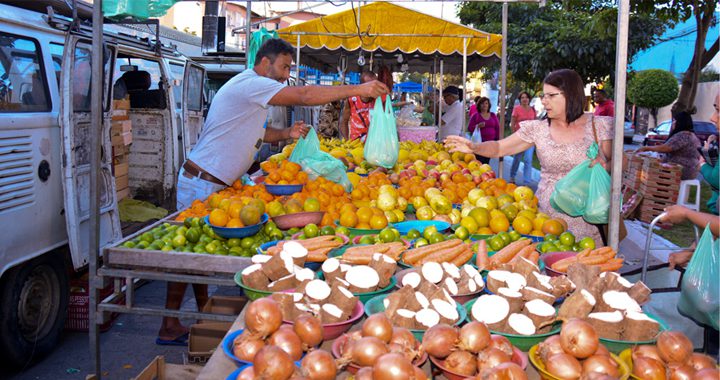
[[389, 30]]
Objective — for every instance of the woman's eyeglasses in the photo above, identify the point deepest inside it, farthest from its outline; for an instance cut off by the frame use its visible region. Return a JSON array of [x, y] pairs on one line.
[[549, 95]]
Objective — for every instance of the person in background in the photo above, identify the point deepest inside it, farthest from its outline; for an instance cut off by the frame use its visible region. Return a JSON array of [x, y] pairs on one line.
[[603, 105], [355, 120], [428, 113], [709, 169], [452, 118], [562, 142], [681, 146], [473, 107], [329, 119], [487, 122], [522, 112]]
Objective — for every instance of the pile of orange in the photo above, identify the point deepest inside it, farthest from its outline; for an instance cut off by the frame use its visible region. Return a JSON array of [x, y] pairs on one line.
[[497, 187], [286, 173], [363, 217]]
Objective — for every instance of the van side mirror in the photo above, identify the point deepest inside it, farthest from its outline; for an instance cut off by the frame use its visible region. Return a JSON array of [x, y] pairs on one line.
[[125, 68]]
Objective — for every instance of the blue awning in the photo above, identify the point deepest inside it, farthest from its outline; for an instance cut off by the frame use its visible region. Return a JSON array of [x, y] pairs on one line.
[[408, 87]]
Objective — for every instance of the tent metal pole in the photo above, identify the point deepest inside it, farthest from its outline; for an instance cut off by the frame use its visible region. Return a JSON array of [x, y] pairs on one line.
[[503, 84], [464, 122], [96, 122], [441, 100], [248, 30], [617, 154], [297, 62], [435, 110]]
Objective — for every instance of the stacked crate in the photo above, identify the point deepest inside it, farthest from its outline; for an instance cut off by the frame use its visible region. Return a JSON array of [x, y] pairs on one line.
[[659, 184], [121, 138]]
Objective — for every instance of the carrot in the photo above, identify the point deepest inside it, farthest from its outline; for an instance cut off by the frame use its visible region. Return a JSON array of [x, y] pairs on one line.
[[524, 253], [534, 257], [445, 255], [356, 260], [394, 253], [462, 258], [562, 265], [481, 260], [274, 250], [363, 249], [597, 259], [584, 253], [612, 265], [316, 257], [506, 254], [600, 251], [412, 256]]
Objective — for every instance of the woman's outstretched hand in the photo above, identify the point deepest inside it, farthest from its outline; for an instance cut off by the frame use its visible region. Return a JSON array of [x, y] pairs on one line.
[[458, 144]]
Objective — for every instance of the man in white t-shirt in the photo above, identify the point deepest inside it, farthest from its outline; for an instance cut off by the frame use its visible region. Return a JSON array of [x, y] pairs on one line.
[[233, 132], [452, 119]]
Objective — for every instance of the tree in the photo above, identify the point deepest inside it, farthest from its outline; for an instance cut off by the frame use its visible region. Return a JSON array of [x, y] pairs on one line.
[[652, 89], [575, 34]]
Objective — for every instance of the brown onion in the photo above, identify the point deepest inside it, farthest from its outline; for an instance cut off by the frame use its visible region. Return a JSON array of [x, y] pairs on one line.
[[364, 373], [550, 347], [596, 376], [674, 346], [700, 361], [601, 364], [502, 343], [602, 350], [247, 374], [707, 374], [403, 337], [648, 369], [564, 366], [406, 352], [354, 335], [366, 350], [491, 357], [271, 362], [578, 338], [309, 329], [504, 371], [461, 362], [379, 326], [392, 366], [646, 351], [474, 337], [246, 346], [288, 341], [678, 371], [319, 365], [440, 340], [263, 317], [420, 374]]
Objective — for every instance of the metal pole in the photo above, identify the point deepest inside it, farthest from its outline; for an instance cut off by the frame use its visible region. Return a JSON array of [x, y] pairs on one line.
[[441, 100], [248, 30], [96, 122], [620, 88], [297, 62], [503, 83], [464, 85]]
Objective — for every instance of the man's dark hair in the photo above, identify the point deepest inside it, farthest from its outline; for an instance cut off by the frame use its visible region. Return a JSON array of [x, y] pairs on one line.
[[272, 48], [573, 88], [601, 92]]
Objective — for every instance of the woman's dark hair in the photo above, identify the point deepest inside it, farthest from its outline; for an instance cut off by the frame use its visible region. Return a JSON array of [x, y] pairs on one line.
[[573, 88], [482, 100], [524, 93], [477, 99], [272, 48], [683, 122]]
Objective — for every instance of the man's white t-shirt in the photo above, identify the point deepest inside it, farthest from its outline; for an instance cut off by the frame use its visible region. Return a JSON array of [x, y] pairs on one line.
[[453, 121], [234, 127]]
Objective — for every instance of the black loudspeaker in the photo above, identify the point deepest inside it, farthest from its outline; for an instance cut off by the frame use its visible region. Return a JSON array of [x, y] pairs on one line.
[[221, 34]]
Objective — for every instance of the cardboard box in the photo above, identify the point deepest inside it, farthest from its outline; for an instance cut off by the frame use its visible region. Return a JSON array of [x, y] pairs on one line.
[[121, 169], [121, 182], [225, 305], [122, 194], [120, 115], [122, 139], [121, 104], [158, 369], [120, 126], [205, 339]]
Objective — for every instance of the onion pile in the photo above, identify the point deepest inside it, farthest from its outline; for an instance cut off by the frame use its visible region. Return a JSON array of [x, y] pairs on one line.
[[472, 351], [577, 352], [672, 358], [263, 328]]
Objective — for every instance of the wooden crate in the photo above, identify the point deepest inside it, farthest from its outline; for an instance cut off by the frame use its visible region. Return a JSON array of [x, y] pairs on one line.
[[158, 369]]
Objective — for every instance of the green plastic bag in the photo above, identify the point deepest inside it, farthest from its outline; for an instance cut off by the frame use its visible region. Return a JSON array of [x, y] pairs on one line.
[[570, 195], [137, 9], [317, 163], [382, 146], [700, 294], [597, 208], [256, 41]]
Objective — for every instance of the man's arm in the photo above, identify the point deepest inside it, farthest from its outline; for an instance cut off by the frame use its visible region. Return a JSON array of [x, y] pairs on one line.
[[272, 135], [318, 95], [344, 120], [678, 214]]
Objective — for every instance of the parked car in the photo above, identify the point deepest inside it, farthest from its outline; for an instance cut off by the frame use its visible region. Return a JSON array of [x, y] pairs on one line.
[[658, 135], [628, 131]]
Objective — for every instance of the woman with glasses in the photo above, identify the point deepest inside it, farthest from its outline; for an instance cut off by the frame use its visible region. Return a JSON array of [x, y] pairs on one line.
[[561, 141], [522, 112]]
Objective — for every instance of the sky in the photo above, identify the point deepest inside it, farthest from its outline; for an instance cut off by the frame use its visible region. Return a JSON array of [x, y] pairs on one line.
[[434, 8]]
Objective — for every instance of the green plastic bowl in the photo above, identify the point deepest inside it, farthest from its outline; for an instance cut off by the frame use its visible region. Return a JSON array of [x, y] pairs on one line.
[[251, 293], [618, 346], [365, 297], [478, 237], [358, 231], [339, 251], [523, 342], [375, 305]]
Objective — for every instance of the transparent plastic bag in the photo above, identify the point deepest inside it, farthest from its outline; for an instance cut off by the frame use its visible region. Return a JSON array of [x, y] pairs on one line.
[[317, 163], [406, 117], [700, 294], [570, 195], [382, 145], [597, 208], [476, 136]]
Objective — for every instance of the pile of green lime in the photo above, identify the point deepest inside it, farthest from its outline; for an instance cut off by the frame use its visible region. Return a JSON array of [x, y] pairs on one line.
[[312, 230], [565, 242], [196, 236], [386, 235], [502, 239], [430, 235]]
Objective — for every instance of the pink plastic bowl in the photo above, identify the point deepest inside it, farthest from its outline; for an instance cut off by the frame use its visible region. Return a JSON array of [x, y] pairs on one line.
[[553, 257], [334, 330]]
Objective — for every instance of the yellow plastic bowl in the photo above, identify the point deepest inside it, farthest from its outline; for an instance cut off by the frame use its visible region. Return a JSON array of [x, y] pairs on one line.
[[545, 375]]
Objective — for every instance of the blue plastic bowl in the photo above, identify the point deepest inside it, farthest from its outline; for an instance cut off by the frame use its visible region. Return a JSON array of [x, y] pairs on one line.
[[227, 346], [229, 233], [534, 239], [262, 250], [234, 374], [283, 189], [420, 225]]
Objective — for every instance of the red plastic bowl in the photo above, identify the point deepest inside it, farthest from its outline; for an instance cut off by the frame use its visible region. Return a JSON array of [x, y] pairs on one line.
[[553, 257], [340, 342], [459, 298], [518, 358], [334, 330]]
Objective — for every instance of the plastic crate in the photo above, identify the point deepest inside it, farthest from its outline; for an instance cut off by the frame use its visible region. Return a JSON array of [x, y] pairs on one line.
[[78, 314]]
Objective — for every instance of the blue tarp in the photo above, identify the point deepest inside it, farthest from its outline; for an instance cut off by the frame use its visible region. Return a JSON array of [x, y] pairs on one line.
[[407, 87]]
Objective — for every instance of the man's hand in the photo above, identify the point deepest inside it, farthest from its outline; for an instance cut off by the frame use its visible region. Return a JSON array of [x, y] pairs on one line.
[[458, 144], [679, 259], [675, 214], [373, 89], [299, 129]]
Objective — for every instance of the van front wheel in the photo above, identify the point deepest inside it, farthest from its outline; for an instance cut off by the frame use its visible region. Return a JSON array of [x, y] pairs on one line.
[[33, 307]]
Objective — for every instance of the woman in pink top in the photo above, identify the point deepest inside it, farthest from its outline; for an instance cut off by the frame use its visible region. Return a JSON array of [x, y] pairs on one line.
[[522, 112]]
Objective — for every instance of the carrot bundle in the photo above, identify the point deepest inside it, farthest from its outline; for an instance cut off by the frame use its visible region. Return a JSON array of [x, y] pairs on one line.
[[604, 257]]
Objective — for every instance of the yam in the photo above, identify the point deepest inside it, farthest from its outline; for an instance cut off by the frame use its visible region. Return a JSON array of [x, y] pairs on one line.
[[514, 297], [254, 278], [385, 267], [451, 271], [613, 300], [341, 297], [432, 272], [541, 313], [521, 324], [561, 286], [317, 291], [417, 302], [639, 327], [525, 267], [304, 274], [404, 318], [362, 279], [279, 266], [303, 309], [466, 284], [284, 283], [613, 281], [608, 325], [640, 293], [427, 288], [540, 281], [331, 270], [584, 276], [529, 293], [492, 310], [300, 287], [496, 280], [296, 251], [413, 279], [515, 281], [448, 313], [578, 305], [330, 313], [287, 302], [260, 259], [450, 285], [397, 300], [427, 318]]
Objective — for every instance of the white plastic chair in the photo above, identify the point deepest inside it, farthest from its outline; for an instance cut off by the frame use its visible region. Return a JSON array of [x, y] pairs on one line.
[[685, 187]]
